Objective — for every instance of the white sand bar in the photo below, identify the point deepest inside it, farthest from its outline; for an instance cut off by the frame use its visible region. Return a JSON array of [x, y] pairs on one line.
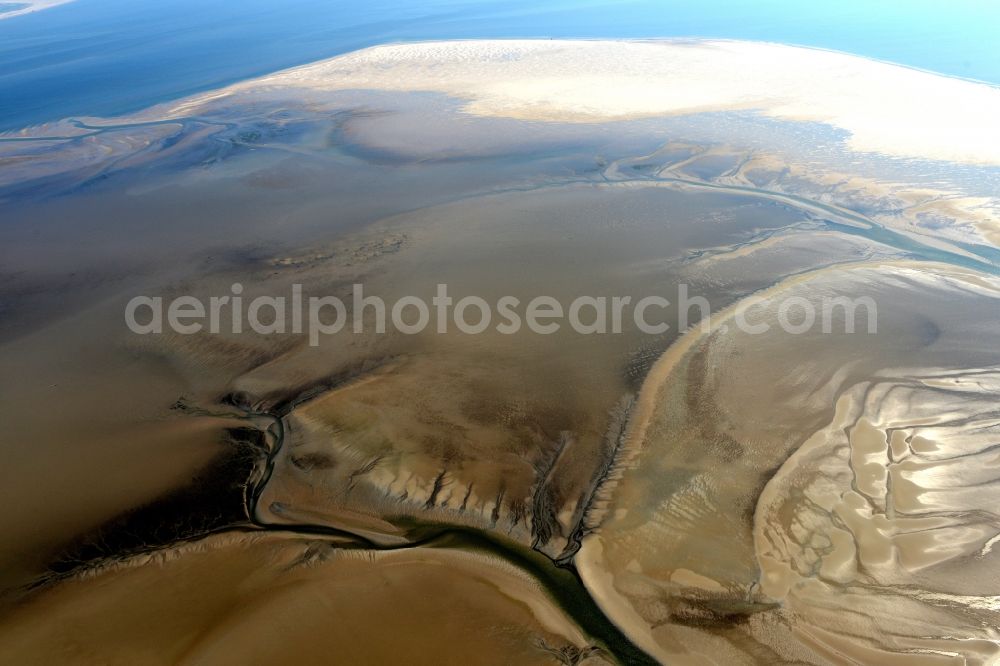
[[885, 108]]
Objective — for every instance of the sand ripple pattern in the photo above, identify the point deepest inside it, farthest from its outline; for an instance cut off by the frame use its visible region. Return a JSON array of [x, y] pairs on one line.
[[879, 532]]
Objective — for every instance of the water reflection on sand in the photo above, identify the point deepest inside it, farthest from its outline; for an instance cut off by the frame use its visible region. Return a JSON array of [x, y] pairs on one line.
[[735, 498]]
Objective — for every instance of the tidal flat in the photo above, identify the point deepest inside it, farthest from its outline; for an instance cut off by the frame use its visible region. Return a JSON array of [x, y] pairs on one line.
[[699, 495]]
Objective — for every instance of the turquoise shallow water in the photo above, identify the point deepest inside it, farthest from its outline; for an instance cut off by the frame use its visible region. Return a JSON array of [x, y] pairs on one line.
[[105, 57]]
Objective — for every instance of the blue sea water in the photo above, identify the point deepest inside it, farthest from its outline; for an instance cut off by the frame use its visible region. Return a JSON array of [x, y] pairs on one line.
[[107, 57]]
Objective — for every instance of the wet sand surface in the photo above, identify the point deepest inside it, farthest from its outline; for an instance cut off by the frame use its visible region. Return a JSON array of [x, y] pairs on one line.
[[810, 505], [723, 497], [234, 599]]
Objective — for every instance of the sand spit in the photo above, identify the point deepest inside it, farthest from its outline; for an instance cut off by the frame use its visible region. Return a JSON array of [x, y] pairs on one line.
[[885, 108], [858, 112]]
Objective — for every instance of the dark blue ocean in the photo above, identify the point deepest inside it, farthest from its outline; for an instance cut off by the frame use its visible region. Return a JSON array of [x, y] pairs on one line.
[[106, 57]]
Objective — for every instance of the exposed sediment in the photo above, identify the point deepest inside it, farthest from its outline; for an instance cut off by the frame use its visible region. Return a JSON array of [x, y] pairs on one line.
[[756, 491], [760, 505]]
